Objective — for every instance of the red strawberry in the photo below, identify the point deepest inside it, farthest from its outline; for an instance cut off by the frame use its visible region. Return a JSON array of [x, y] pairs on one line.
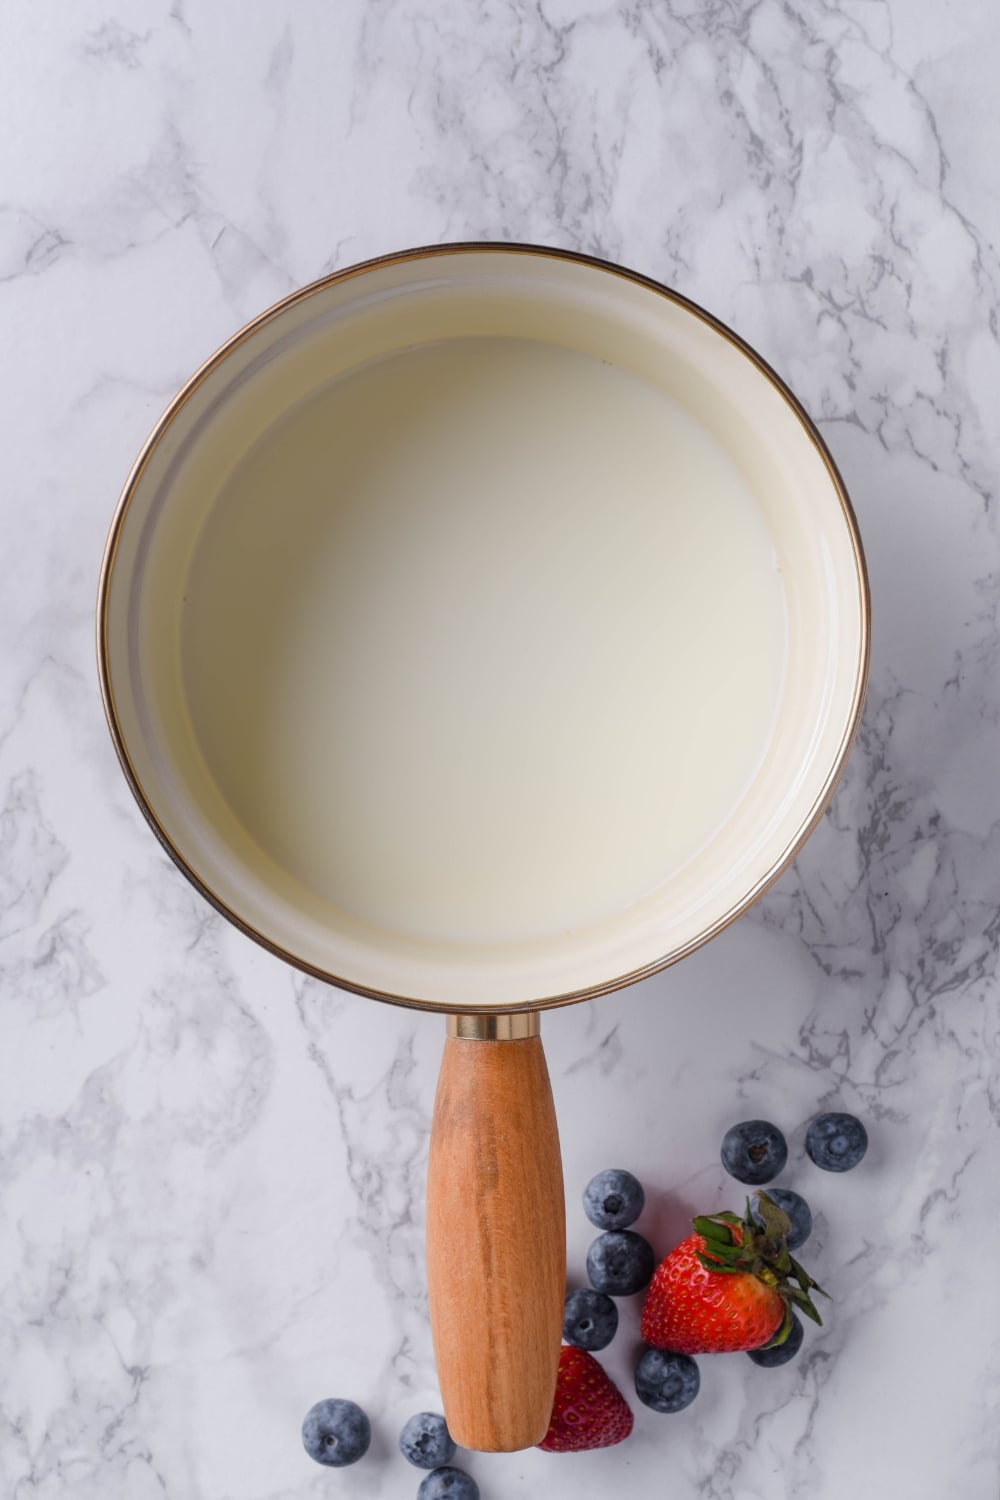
[[728, 1286], [589, 1411]]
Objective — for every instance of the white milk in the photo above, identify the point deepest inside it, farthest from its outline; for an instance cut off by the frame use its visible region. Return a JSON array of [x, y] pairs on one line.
[[484, 641]]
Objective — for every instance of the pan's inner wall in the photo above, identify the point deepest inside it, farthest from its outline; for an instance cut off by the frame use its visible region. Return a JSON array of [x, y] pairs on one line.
[[484, 641], [483, 628]]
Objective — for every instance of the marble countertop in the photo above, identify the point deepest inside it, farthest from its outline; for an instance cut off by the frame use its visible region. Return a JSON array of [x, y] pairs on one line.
[[211, 1169]]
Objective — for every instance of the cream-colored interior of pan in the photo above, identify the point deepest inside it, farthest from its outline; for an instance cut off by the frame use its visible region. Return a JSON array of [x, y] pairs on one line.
[[483, 628]]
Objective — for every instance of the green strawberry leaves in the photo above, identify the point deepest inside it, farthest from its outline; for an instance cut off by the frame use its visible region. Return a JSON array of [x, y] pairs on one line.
[[710, 1229], [757, 1245], [783, 1331], [714, 1265]]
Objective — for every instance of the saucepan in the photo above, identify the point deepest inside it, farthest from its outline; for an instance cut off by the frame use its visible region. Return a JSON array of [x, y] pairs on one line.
[[481, 629]]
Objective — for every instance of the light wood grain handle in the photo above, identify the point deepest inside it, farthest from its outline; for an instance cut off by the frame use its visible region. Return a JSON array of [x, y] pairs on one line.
[[496, 1242]]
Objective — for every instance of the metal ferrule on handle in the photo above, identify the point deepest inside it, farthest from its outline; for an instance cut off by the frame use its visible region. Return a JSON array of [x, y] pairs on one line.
[[514, 1026]]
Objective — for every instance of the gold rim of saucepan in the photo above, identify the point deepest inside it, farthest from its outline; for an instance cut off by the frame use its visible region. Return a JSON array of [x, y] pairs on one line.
[[426, 252]]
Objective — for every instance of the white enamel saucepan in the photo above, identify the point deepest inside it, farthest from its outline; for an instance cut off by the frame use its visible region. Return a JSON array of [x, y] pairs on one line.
[[481, 629]]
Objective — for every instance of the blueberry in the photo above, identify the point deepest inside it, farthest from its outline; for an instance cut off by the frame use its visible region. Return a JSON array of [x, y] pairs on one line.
[[836, 1142], [768, 1359], [336, 1433], [797, 1210], [620, 1262], [448, 1484], [613, 1199], [754, 1151], [666, 1382], [426, 1441], [590, 1320]]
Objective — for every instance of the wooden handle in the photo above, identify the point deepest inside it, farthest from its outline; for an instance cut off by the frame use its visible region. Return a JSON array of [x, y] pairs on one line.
[[496, 1242]]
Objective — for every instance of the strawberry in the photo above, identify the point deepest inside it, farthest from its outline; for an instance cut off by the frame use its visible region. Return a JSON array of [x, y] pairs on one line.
[[589, 1411], [728, 1286]]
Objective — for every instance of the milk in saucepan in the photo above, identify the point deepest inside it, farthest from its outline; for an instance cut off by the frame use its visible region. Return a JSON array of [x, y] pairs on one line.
[[484, 640]]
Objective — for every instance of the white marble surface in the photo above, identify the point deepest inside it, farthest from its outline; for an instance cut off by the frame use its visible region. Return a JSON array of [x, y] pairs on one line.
[[211, 1170]]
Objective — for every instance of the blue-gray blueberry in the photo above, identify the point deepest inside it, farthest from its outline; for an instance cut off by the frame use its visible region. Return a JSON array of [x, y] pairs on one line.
[[666, 1382], [798, 1211], [336, 1433], [426, 1442], [754, 1151], [613, 1199], [768, 1359], [836, 1142], [448, 1484], [590, 1320], [620, 1262]]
